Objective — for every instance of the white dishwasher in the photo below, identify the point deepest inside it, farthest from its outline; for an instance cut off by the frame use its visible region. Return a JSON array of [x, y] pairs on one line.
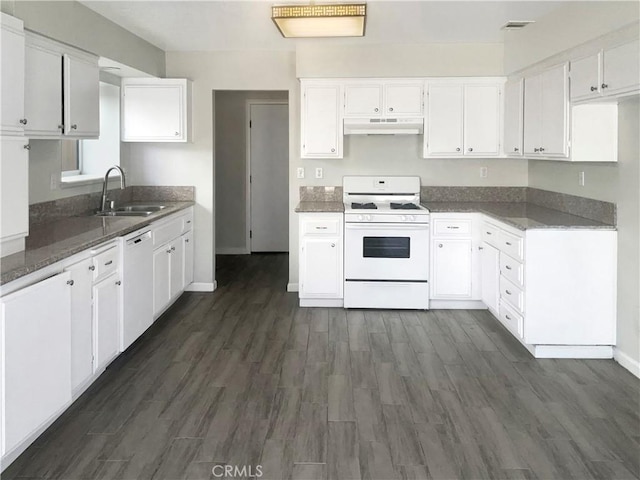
[[137, 286]]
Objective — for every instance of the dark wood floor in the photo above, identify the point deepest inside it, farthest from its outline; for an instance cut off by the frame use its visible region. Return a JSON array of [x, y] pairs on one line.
[[245, 377]]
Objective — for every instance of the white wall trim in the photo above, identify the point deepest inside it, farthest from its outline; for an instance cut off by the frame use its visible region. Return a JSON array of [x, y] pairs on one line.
[[322, 302], [573, 351], [202, 287], [293, 287], [232, 251], [626, 361], [457, 304]]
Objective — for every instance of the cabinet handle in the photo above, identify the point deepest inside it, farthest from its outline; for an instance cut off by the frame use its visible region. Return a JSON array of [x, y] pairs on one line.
[[186, 240], [333, 150], [470, 149], [70, 282], [173, 249], [452, 227], [541, 149], [594, 89], [177, 134], [480, 248], [321, 228], [489, 233], [74, 127], [507, 292], [60, 127], [516, 149], [333, 245], [169, 251], [458, 149], [391, 109], [188, 221], [23, 121], [507, 317], [604, 85], [439, 245], [27, 147], [108, 263], [507, 267], [508, 243], [536, 150], [375, 109], [92, 268], [118, 282]]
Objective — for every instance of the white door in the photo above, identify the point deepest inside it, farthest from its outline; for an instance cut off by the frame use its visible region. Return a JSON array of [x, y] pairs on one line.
[[481, 120], [363, 100], [43, 91], [585, 77], [106, 320], [532, 114], [555, 105], [161, 282], [513, 117], [451, 268], [321, 126], [490, 268], [36, 346], [621, 68], [14, 187], [81, 322], [403, 99], [320, 268], [269, 177], [444, 120], [81, 98], [12, 79]]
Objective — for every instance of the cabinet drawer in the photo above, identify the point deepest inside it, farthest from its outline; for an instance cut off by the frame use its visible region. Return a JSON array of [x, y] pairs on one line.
[[490, 234], [443, 226], [187, 222], [512, 270], [321, 226], [512, 294], [167, 231], [511, 319], [105, 263], [511, 245]]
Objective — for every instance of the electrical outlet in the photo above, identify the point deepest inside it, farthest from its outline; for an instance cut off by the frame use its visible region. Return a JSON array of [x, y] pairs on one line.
[[300, 172], [483, 172], [581, 179], [319, 173], [53, 182]]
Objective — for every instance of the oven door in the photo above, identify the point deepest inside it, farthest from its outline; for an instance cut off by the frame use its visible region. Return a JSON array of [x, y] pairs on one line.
[[386, 252]]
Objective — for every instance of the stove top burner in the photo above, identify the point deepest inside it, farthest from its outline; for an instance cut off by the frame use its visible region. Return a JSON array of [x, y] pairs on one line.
[[404, 206], [363, 206]]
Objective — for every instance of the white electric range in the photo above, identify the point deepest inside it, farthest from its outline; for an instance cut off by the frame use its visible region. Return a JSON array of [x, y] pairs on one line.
[[386, 248]]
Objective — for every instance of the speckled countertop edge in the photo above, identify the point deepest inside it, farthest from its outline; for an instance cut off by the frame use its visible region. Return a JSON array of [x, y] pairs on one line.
[[320, 207], [523, 216], [43, 254]]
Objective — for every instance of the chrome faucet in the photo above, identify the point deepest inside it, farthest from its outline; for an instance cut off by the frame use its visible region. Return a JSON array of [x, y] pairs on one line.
[[123, 185]]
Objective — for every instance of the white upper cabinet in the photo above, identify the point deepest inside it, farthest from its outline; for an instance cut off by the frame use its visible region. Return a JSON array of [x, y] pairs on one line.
[[612, 71], [12, 118], [546, 104], [156, 110], [43, 89], [403, 99], [363, 100], [14, 194], [81, 97], [513, 117], [463, 119], [321, 132]]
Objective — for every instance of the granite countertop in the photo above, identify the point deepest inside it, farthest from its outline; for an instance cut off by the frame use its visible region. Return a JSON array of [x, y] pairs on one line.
[[523, 216], [53, 241], [319, 207]]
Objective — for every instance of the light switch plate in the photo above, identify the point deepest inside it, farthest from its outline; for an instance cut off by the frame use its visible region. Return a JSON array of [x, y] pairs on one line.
[[300, 172], [581, 179], [319, 173], [483, 172]]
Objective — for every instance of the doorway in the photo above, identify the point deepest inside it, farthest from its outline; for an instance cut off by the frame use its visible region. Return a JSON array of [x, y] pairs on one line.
[[267, 167]]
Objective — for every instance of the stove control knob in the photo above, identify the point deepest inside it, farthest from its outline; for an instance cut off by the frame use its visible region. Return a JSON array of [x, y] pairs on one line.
[[367, 218], [359, 218], [403, 218]]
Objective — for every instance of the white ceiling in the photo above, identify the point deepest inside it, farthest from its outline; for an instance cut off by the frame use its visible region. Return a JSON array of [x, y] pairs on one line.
[[246, 25]]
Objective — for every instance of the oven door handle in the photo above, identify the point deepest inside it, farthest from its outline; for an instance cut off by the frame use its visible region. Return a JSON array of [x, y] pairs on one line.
[[388, 226]]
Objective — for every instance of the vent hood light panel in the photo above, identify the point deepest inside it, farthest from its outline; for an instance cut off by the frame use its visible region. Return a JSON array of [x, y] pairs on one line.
[[316, 21], [383, 126]]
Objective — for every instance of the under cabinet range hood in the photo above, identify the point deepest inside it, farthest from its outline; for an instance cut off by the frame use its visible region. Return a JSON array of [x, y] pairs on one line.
[[383, 126]]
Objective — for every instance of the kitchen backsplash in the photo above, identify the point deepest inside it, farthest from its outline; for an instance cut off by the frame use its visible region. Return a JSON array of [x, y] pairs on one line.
[[321, 194], [473, 194]]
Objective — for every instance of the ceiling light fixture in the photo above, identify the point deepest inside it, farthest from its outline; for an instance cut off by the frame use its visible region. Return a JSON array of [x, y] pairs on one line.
[[335, 20]]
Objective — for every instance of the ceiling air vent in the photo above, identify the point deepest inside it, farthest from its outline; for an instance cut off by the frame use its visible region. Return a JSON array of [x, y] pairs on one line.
[[516, 24]]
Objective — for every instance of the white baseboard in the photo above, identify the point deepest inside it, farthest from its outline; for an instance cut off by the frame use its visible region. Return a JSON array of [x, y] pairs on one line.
[[202, 287], [456, 305], [322, 302], [292, 287], [626, 361], [573, 351], [232, 251]]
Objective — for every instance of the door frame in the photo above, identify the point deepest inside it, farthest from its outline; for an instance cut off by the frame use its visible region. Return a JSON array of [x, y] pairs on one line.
[[247, 180]]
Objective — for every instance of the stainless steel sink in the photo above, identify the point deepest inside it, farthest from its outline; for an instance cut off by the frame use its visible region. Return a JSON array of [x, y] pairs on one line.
[[132, 211]]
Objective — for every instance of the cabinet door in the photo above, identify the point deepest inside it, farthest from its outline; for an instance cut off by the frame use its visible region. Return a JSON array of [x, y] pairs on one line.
[[621, 71], [585, 77], [153, 112], [176, 268], [532, 114], [106, 321], [81, 97], [490, 268], [452, 269], [35, 347], [555, 106], [81, 322], [161, 282], [444, 120], [14, 187], [321, 267], [403, 99], [481, 120], [11, 76], [363, 100], [321, 127], [513, 117], [187, 245], [43, 92]]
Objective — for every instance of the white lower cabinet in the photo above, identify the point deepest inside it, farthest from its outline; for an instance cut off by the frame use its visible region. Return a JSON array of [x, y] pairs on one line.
[[106, 320], [161, 279], [321, 259], [35, 346]]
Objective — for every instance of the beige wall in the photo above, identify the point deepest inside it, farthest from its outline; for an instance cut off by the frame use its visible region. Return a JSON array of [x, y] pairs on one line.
[[194, 163], [231, 165], [73, 23]]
